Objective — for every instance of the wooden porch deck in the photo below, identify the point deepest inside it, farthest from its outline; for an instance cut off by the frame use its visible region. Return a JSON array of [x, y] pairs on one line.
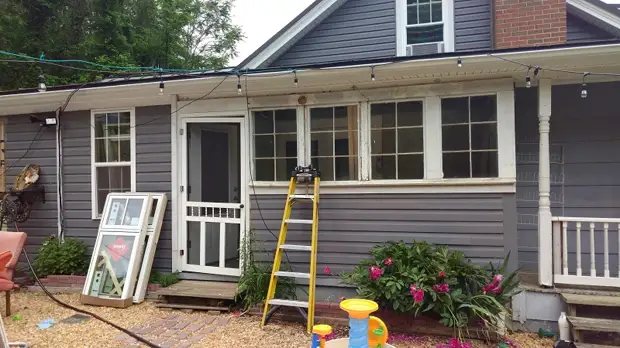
[[198, 295]]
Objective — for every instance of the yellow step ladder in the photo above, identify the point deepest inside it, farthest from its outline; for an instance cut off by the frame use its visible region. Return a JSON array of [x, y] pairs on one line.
[[310, 177]]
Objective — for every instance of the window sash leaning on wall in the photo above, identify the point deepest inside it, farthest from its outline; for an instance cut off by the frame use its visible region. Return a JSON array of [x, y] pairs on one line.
[[431, 96]]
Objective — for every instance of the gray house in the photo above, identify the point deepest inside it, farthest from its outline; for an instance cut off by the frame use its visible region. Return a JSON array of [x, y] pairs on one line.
[[469, 123]]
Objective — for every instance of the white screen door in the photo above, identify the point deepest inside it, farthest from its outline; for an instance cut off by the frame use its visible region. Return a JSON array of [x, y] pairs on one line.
[[213, 206]]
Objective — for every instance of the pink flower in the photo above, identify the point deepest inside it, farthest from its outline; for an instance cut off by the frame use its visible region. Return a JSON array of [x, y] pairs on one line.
[[498, 279], [454, 343], [388, 261], [419, 296], [342, 298], [375, 272], [441, 288], [492, 288], [441, 275], [327, 270], [412, 289]]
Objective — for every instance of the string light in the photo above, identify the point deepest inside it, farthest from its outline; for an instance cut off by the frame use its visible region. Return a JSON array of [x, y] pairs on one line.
[[459, 63], [584, 87], [239, 90], [372, 73], [161, 87], [528, 79], [42, 87], [296, 81]]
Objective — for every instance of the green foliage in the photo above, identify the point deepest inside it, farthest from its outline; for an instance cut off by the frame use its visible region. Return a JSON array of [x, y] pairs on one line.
[[61, 258], [454, 290], [163, 279], [174, 34], [254, 282]]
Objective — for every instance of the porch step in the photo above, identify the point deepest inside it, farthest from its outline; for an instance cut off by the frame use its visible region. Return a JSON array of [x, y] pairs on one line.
[[296, 247], [590, 345], [590, 300], [302, 197], [592, 324], [293, 274], [288, 303], [298, 221]]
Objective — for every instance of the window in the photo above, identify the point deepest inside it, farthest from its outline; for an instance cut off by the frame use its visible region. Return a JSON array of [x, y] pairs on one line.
[[275, 144], [334, 142], [424, 21], [397, 140], [469, 137], [113, 168]]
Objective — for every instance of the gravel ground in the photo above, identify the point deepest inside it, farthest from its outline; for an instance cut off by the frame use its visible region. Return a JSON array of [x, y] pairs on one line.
[[239, 332]]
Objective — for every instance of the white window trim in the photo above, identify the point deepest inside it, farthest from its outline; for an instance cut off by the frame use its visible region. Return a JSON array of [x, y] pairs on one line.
[[93, 165], [447, 9]]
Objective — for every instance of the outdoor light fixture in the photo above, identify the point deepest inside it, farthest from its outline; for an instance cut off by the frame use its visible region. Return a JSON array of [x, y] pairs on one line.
[[161, 88], [239, 90], [584, 87], [372, 73], [296, 81], [42, 87], [459, 63]]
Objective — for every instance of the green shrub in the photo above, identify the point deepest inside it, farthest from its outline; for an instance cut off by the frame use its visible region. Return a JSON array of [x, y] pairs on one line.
[[423, 278], [57, 257], [163, 279]]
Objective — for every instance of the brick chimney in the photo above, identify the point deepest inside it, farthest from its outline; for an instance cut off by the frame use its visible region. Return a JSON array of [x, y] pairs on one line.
[[526, 23]]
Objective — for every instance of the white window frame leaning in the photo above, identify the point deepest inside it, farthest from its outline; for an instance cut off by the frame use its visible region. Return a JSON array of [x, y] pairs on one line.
[[95, 215], [447, 12]]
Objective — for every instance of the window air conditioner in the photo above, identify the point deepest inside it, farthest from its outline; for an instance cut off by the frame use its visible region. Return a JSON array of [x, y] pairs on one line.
[[425, 48]]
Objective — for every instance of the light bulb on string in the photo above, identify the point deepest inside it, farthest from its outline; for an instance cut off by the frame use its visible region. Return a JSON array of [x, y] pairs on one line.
[[584, 87], [239, 90], [528, 79], [296, 81], [459, 63], [42, 87], [372, 73], [161, 87]]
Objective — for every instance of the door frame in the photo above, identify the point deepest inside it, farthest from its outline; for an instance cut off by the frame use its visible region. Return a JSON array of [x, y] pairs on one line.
[[181, 163]]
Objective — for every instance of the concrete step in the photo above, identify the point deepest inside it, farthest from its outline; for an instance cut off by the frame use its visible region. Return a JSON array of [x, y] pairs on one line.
[[594, 324], [590, 345], [592, 300]]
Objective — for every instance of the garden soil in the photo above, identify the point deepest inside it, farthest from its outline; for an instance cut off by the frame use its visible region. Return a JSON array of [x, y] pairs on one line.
[[30, 308]]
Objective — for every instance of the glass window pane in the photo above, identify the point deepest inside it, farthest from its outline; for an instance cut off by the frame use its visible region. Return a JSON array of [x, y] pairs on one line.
[[424, 13], [284, 167], [117, 250], [345, 117], [263, 146], [132, 212], [454, 110], [100, 121], [113, 150], [286, 121], [483, 108], [383, 115], [345, 143], [484, 164], [112, 179], [412, 14], [263, 122], [483, 136], [124, 120], [125, 150], [326, 166], [286, 145], [112, 118], [383, 141], [383, 167], [455, 138], [436, 11], [411, 166], [321, 119], [100, 150], [324, 144], [410, 114], [411, 2], [456, 165], [264, 170], [346, 168], [410, 140], [424, 34]]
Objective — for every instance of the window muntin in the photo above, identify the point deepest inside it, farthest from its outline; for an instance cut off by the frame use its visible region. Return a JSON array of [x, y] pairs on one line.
[[424, 21], [275, 144]]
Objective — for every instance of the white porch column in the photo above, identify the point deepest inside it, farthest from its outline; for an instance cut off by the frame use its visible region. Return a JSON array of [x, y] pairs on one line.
[[545, 240]]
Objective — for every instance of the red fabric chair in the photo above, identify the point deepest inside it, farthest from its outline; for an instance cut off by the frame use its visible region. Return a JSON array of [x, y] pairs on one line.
[[12, 242]]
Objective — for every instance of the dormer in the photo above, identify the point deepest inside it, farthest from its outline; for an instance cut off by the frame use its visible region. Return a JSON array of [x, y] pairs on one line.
[[424, 27]]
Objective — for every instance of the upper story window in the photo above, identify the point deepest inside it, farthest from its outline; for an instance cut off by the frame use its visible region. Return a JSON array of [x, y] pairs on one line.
[[424, 27]]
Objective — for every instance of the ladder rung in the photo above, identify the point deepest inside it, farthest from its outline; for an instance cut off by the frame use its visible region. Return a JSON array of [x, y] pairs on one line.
[[293, 274], [296, 247], [298, 221], [288, 303], [300, 197]]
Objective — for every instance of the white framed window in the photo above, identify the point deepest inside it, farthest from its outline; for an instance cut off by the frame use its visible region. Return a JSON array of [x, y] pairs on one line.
[[113, 155], [424, 26], [275, 144], [333, 133], [469, 137], [397, 140]]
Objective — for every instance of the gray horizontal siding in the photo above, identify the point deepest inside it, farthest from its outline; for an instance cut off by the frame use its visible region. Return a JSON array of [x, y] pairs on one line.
[[20, 133], [578, 30], [472, 25], [152, 173], [359, 29], [586, 131], [351, 225]]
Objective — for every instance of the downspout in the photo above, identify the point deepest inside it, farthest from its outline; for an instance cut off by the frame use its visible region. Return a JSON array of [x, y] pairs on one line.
[[58, 177]]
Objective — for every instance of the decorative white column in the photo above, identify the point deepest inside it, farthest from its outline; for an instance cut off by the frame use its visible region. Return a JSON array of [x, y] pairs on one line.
[[545, 240]]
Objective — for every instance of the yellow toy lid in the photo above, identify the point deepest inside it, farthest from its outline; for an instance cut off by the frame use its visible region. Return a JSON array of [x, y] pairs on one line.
[[359, 308], [322, 330]]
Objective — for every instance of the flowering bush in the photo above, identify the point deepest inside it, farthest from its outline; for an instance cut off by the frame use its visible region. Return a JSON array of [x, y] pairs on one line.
[[423, 278]]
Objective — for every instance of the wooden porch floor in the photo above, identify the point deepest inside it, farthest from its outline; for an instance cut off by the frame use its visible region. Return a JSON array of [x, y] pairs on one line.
[[198, 295]]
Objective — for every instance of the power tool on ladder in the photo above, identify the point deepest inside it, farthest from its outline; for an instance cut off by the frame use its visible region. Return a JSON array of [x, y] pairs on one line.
[[310, 178]]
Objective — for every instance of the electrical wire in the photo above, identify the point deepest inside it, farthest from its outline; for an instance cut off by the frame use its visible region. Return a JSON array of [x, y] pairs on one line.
[[552, 69], [34, 139]]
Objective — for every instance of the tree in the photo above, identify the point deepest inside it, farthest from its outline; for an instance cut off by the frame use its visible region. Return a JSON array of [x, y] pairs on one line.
[[174, 34]]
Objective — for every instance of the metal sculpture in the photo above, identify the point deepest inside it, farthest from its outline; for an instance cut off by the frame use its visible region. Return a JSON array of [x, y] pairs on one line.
[[17, 203]]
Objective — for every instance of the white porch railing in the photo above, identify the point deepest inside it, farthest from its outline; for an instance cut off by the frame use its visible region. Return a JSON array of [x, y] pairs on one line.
[[582, 241]]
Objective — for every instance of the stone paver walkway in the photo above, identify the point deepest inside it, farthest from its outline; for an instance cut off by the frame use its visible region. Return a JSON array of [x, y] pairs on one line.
[[175, 330]]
